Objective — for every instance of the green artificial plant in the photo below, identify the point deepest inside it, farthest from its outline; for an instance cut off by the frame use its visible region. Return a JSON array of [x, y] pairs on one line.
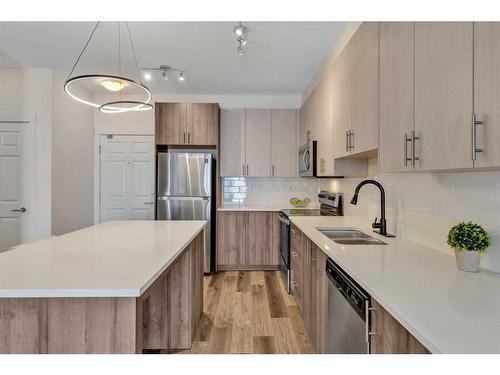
[[468, 236]]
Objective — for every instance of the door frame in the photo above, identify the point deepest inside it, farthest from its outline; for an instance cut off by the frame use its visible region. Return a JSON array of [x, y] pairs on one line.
[[97, 167], [28, 159]]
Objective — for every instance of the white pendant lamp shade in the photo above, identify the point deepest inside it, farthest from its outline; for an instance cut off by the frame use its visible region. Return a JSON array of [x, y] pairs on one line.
[[130, 95]]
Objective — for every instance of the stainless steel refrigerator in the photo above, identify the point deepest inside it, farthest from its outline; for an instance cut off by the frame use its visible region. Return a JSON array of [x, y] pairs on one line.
[[186, 191]]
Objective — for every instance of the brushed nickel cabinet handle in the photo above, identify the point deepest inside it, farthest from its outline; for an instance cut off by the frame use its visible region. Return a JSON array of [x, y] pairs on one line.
[[347, 141], [243, 169], [406, 158], [272, 170], [308, 136], [414, 138], [189, 138], [475, 122], [248, 170], [22, 209], [184, 138], [351, 142]]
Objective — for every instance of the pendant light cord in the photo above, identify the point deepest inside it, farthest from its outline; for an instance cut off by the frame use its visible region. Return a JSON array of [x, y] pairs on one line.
[[83, 50], [135, 57]]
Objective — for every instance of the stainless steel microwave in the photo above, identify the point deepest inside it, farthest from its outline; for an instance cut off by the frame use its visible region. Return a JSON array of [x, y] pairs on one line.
[[307, 159]]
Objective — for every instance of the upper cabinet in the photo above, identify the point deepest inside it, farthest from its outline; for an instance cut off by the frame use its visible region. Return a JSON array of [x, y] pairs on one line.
[[356, 93], [202, 123], [486, 94], [232, 142], [342, 102], [283, 143], [187, 124], [397, 125], [364, 73], [436, 78], [259, 142], [170, 123], [443, 95]]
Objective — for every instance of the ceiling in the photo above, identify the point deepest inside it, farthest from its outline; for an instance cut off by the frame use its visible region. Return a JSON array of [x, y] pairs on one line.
[[282, 57]]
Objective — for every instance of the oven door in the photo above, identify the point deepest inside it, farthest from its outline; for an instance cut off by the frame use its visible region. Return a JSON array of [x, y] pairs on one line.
[[285, 250]]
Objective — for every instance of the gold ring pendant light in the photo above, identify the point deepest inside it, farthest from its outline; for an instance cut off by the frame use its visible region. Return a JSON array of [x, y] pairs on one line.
[[112, 83]]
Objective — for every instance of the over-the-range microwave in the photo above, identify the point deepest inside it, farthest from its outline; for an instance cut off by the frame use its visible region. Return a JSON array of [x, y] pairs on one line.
[[307, 159]]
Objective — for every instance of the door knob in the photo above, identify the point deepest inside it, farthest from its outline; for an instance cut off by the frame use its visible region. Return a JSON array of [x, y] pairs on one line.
[[22, 209], [149, 203]]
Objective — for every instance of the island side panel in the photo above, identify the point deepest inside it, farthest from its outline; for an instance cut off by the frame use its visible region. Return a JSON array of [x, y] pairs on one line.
[[173, 305], [68, 325]]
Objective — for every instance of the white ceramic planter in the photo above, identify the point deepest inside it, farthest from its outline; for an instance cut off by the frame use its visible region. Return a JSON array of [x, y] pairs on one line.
[[468, 261]]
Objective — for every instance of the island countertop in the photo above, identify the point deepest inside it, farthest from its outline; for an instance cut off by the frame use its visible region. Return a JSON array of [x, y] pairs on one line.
[[447, 310], [113, 259]]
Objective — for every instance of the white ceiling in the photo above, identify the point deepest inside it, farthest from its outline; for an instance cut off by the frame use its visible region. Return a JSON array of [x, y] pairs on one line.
[[282, 57]]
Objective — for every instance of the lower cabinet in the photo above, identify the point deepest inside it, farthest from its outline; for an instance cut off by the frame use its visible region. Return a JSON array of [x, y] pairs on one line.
[[310, 286], [390, 336], [247, 240], [310, 289]]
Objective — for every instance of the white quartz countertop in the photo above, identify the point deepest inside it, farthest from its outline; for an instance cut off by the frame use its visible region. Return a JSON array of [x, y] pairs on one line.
[[261, 207], [113, 259], [447, 310]]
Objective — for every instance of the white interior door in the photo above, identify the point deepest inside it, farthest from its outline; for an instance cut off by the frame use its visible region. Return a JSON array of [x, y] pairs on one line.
[[127, 177], [11, 205]]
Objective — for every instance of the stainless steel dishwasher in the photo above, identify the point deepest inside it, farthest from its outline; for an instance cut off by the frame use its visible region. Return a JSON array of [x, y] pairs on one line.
[[348, 314]]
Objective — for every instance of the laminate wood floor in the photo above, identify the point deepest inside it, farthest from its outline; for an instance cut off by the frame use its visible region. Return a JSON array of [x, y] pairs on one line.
[[249, 312]]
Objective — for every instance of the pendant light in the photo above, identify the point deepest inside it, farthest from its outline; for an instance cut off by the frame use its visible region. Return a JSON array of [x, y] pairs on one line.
[[116, 84]]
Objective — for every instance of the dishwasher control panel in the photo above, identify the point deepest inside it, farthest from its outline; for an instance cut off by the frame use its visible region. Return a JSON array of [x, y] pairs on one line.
[[353, 293]]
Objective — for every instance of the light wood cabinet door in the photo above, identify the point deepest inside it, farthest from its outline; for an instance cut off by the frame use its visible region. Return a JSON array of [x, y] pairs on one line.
[[258, 142], [202, 124], [259, 238], [231, 238], [170, 123], [365, 88], [232, 142], [487, 92], [396, 95], [390, 336], [284, 143], [443, 94], [324, 129], [318, 304], [342, 101], [304, 130]]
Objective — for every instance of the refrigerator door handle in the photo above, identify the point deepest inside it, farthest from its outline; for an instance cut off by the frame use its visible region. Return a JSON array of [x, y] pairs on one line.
[[182, 198]]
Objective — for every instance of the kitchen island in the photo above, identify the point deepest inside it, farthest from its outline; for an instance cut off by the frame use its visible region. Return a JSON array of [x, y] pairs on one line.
[[117, 287]]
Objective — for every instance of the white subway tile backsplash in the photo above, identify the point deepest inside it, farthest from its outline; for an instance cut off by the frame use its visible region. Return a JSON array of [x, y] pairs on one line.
[[251, 190]]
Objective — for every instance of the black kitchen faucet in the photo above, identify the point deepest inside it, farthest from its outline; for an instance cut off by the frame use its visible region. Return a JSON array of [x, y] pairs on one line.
[[382, 224]]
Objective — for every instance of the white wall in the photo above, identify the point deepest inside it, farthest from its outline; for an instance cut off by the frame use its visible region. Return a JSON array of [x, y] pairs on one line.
[[72, 161], [27, 94]]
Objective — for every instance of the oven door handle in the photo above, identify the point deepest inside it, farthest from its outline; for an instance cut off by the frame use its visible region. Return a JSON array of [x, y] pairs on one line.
[[284, 220]]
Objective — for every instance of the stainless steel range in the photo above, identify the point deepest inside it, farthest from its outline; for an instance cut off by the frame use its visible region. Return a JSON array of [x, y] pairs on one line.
[[331, 205]]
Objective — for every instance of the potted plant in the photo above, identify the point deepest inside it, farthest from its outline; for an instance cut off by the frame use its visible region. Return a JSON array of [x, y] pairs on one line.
[[468, 240]]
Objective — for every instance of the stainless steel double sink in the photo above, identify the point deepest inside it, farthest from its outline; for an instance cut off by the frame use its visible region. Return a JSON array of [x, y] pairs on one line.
[[348, 236]]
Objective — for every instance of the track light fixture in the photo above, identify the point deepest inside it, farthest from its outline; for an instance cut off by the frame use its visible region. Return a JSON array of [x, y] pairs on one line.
[[241, 32], [165, 71]]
